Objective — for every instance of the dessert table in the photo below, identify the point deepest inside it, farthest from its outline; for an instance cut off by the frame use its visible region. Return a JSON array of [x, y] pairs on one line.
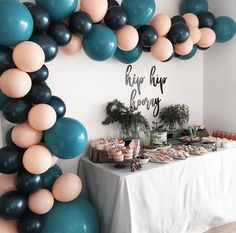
[[186, 196]]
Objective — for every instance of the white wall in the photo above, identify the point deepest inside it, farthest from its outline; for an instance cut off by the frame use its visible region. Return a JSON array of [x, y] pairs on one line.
[[87, 86], [220, 76]]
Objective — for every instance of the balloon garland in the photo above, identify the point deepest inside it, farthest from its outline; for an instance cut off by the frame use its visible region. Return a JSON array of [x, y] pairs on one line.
[[33, 188]]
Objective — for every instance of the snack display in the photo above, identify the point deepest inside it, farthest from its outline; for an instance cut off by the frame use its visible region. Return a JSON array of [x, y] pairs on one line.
[[190, 139], [149, 148], [194, 150], [160, 158], [220, 142], [176, 154]]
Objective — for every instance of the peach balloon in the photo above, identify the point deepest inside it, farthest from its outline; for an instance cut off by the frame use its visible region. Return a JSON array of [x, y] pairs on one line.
[[7, 183], [184, 48], [54, 160], [195, 34], [162, 49], [191, 19], [208, 38], [15, 83], [7, 226], [97, 9], [41, 202], [37, 159], [24, 136], [161, 23], [73, 47], [28, 56], [42, 117], [127, 38], [67, 187]]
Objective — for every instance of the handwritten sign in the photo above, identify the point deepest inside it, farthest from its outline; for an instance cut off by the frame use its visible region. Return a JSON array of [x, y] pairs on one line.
[[136, 82]]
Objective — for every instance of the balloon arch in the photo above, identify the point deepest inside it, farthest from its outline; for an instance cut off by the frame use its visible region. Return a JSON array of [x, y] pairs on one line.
[[35, 195]]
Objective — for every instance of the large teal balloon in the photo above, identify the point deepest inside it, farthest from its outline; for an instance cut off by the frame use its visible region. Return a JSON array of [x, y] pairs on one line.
[[3, 99], [58, 9], [16, 23], [193, 6], [225, 29], [190, 55], [67, 138], [139, 12], [77, 216], [50, 176], [131, 56], [100, 44]]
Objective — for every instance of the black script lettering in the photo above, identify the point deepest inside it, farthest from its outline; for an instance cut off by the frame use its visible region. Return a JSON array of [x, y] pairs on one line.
[[133, 80], [157, 80]]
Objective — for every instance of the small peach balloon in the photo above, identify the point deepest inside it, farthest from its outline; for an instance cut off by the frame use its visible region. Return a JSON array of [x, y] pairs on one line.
[[127, 38], [41, 202], [24, 136], [97, 9], [208, 38], [7, 226], [54, 160], [7, 183], [37, 159], [28, 56], [195, 34], [191, 19], [162, 23], [42, 117], [73, 47], [184, 48], [162, 49], [67, 187], [15, 83]]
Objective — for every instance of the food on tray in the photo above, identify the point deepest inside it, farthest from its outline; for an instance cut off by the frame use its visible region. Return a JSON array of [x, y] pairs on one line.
[[176, 154], [194, 150], [160, 158], [190, 139], [144, 158], [149, 148]]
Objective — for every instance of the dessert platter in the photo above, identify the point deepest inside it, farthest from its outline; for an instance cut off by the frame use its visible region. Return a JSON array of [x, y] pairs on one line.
[[160, 158], [176, 153], [154, 148], [194, 150], [190, 139]]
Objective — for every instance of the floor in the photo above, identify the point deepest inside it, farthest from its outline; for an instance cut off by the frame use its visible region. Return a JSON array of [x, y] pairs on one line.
[[229, 228]]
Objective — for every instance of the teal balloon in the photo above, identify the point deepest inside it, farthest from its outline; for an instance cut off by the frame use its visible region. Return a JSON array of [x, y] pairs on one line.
[[16, 23], [3, 99], [139, 12], [100, 44], [193, 6], [190, 55], [225, 29], [50, 176], [131, 56], [67, 139], [78, 216], [58, 9]]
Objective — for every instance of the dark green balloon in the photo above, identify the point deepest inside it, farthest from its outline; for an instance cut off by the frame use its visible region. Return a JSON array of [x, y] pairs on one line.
[[3, 99], [10, 159], [16, 23], [225, 29], [131, 56], [193, 6], [50, 176], [77, 216], [67, 139], [58, 9], [12, 205]]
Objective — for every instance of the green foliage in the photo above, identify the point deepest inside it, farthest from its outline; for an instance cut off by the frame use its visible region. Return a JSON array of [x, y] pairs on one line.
[[174, 114], [131, 121]]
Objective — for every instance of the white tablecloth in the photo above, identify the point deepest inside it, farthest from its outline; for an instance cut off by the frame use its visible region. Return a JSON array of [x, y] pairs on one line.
[[187, 196]]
